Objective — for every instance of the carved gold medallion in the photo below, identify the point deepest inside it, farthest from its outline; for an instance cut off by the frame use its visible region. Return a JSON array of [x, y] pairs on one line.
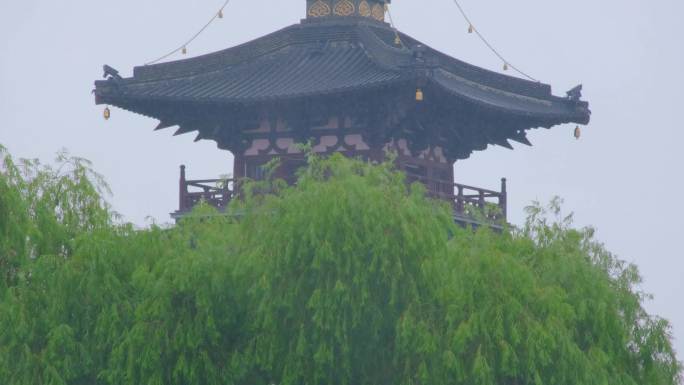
[[378, 12], [344, 8], [364, 9], [319, 9]]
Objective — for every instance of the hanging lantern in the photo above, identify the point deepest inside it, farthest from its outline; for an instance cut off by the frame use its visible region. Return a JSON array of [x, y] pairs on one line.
[[505, 68], [184, 51], [397, 40], [220, 14], [419, 95], [471, 29], [107, 113], [578, 132]]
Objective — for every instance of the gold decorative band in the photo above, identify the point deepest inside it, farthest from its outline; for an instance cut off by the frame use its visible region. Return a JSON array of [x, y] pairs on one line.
[[319, 9], [344, 8], [364, 9], [378, 12], [322, 8]]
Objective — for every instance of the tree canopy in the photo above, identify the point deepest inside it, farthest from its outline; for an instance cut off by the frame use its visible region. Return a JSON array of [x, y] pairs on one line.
[[348, 277]]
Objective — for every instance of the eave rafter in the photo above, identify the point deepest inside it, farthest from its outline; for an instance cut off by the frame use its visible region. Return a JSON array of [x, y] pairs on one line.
[[520, 136], [457, 125], [164, 124]]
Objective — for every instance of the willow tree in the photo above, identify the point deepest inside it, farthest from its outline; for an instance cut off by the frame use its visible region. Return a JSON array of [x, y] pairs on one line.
[[43, 208], [348, 277]]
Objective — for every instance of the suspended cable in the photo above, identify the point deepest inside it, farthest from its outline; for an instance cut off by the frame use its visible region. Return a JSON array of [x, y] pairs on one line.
[[397, 38], [472, 29], [420, 95], [184, 48]]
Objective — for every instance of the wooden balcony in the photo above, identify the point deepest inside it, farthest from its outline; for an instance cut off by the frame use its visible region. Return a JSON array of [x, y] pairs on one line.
[[471, 205], [215, 192]]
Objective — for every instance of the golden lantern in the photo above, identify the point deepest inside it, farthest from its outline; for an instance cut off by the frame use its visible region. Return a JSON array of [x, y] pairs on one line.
[[107, 113], [471, 29], [397, 40], [419, 95], [505, 68], [220, 14], [184, 51], [578, 132]]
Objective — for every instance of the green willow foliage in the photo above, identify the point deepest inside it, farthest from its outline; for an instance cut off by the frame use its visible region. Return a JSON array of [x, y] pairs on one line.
[[43, 209], [346, 278]]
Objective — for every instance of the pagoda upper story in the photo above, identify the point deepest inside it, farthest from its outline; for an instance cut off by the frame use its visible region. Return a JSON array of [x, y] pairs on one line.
[[345, 81], [327, 64]]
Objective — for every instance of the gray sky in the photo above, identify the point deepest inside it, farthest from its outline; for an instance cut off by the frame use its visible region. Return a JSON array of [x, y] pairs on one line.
[[624, 176]]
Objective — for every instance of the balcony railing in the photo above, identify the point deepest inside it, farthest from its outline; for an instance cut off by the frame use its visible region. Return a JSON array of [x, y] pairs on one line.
[[469, 202], [471, 205], [215, 192]]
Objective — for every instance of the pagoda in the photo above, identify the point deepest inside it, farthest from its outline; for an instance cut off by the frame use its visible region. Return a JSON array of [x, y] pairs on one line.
[[345, 81]]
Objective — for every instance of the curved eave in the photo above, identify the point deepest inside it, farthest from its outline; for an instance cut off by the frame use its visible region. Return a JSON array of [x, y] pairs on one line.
[[551, 110]]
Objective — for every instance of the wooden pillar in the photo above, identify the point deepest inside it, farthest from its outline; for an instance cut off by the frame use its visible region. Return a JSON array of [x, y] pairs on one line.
[[182, 189], [503, 200], [460, 200], [239, 167], [376, 154]]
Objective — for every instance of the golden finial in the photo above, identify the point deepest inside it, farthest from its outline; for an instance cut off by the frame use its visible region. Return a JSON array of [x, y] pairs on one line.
[[107, 113]]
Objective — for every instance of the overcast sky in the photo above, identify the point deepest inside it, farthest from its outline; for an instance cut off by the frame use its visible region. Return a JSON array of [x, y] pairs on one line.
[[624, 176]]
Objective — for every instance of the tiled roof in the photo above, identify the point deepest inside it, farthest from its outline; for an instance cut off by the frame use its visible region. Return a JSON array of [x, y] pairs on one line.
[[329, 57], [289, 72]]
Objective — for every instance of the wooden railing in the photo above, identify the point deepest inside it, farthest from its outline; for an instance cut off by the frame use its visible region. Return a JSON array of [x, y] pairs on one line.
[[215, 192], [471, 204]]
